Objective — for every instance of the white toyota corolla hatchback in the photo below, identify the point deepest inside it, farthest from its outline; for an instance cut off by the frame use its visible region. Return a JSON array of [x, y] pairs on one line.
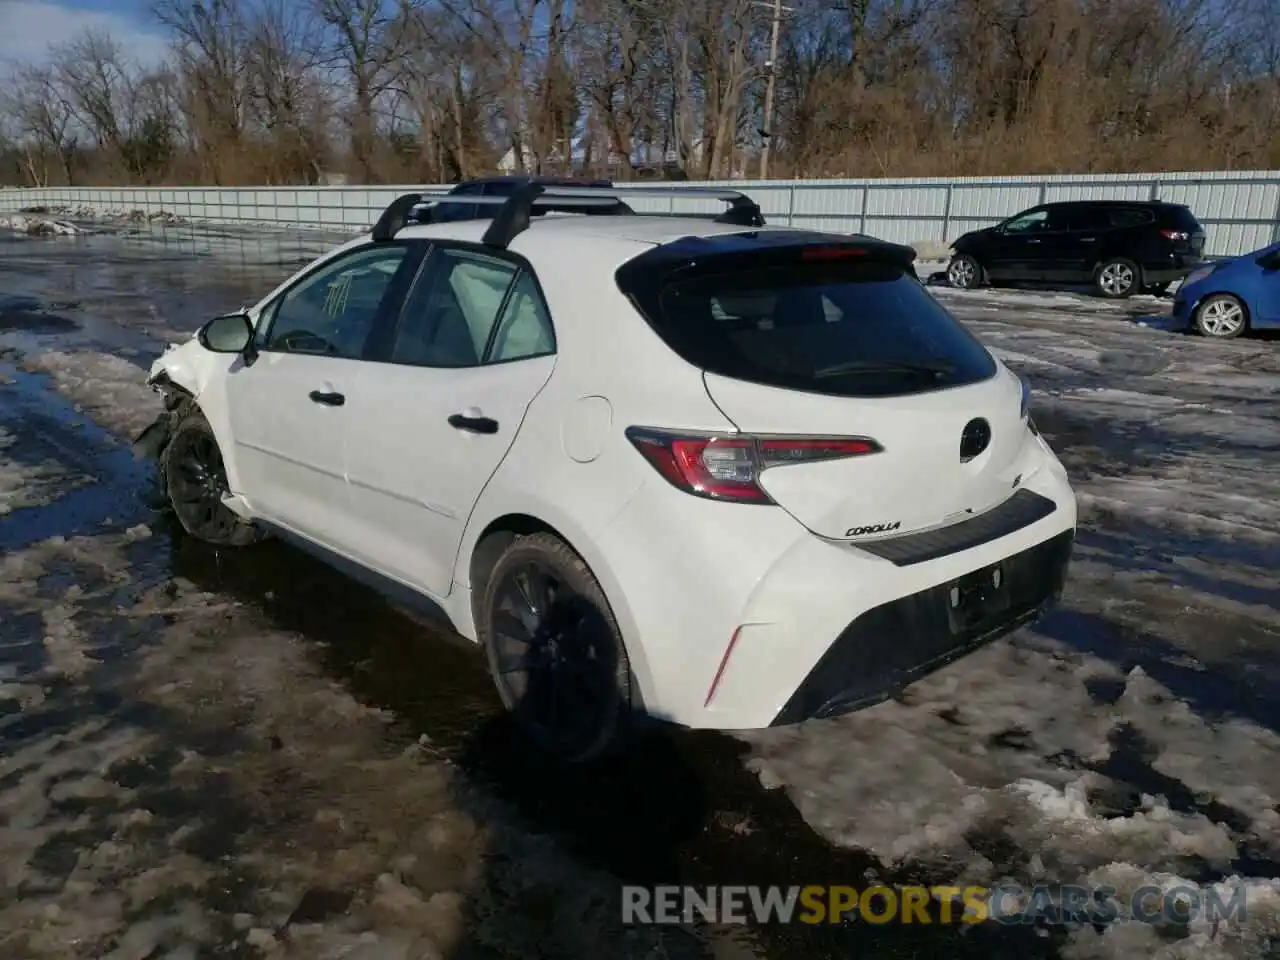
[[691, 468]]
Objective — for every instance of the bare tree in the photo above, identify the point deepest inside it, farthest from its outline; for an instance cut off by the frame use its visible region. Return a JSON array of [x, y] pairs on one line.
[[285, 91], [212, 57], [366, 39], [269, 90], [45, 123]]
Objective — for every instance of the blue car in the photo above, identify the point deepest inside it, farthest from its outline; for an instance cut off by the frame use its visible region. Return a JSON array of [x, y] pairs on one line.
[[1225, 298]]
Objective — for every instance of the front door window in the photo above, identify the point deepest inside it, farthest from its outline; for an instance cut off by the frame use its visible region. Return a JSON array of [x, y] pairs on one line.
[[332, 311]]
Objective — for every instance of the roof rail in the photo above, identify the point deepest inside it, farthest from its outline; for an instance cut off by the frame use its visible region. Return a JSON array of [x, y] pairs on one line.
[[516, 210], [399, 212], [513, 218], [396, 215]]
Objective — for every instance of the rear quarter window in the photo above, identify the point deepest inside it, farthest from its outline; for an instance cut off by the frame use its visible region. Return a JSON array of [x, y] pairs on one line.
[[1181, 218], [844, 328]]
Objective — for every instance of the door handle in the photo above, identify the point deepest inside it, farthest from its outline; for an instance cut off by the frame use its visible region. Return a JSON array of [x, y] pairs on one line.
[[328, 399], [1088, 239], [473, 424], [1032, 240]]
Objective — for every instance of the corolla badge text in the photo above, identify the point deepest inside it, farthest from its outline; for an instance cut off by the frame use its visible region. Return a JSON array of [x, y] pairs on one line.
[[874, 528]]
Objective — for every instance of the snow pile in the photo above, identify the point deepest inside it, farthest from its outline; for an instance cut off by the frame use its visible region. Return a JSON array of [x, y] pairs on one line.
[[34, 226], [110, 389], [935, 251], [83, 212]]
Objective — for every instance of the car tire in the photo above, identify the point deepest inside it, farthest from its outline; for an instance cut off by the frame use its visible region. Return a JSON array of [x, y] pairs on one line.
[[964, 272], [1221, 316], [1117, 278], [195, 480], [555, 652]]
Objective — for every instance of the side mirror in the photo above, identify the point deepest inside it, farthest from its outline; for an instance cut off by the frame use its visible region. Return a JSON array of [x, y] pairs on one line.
[[1270, 261], [232, 333]]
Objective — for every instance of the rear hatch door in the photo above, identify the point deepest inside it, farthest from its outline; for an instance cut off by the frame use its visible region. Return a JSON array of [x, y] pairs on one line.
[[840, 340], [1188, 234]]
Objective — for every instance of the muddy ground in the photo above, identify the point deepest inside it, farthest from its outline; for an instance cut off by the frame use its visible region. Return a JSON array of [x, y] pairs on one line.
[[245, 754]]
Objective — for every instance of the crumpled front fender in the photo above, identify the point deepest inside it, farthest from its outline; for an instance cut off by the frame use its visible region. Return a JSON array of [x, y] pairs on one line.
[[185, 374], [187, 366]]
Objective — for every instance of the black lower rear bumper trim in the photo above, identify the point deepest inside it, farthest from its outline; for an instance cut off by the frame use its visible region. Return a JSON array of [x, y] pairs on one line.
[[1021, 510], [897, 643]]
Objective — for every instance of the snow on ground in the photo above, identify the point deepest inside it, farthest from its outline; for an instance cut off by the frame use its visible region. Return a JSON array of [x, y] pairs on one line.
[[37, 226], [226, 794], [110, 389], [30, 484], [1134, 733], [1133, 737]]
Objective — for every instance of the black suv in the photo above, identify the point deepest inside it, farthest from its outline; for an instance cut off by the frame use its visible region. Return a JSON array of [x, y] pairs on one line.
[[1122, 247], [499, 187]]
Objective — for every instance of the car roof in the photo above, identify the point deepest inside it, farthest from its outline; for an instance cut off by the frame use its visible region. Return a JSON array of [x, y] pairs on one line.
[[1113, 203]]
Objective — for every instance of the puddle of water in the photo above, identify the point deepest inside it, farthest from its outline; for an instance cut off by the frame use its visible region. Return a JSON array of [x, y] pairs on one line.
[[45, 423]]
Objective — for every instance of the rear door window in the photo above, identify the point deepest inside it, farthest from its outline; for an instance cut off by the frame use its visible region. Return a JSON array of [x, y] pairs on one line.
[[1084, 217], [1131, 217], [451, 313], [857, 328]]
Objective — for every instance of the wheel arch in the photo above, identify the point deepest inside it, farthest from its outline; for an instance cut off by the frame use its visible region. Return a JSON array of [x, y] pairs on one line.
[[480, 553]]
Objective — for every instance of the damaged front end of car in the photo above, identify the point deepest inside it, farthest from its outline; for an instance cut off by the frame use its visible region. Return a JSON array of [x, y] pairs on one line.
[[151, 442]]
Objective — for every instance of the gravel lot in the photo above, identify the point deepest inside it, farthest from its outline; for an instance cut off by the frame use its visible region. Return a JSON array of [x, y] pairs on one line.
[[207, 754]]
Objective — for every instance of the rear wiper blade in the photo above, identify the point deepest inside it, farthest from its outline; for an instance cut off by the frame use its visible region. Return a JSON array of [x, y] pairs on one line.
[[931, 367]]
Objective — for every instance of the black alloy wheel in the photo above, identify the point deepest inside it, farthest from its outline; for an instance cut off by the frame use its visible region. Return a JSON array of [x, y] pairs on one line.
[[554, 651]]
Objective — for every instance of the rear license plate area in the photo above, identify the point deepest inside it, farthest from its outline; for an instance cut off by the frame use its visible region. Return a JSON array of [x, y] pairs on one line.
[[977, 598]]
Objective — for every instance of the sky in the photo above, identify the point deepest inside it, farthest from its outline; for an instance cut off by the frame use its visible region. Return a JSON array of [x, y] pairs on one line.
[[27, 27]]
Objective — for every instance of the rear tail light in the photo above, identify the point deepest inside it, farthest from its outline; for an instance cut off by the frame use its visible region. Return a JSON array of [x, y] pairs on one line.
[[728, 467], [1175, 235]]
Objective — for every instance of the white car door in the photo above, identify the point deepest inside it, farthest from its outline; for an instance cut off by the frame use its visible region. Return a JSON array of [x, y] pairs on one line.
[[291, 408], [473, 347]]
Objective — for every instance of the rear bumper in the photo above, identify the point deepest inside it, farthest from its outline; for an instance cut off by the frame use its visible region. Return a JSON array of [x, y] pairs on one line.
[[738, 618], [1171, 269], [890, 646]]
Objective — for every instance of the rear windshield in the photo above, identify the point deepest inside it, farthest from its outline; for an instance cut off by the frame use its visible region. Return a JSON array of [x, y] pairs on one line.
[[854, 329], [1181, 218]]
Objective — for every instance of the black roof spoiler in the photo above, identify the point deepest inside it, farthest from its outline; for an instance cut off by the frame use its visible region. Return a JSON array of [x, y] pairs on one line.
[[515, 211]]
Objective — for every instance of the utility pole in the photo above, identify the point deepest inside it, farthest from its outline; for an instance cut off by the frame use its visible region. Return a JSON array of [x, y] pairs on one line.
[[772, 66]]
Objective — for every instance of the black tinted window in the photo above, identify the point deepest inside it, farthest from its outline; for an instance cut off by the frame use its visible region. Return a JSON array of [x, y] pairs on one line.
[[1181, 218], [1131, 217], [839, 327], [449, 317], [1086, 216]]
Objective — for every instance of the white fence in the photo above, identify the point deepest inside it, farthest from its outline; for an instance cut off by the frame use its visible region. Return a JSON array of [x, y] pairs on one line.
[[1240, 211]]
